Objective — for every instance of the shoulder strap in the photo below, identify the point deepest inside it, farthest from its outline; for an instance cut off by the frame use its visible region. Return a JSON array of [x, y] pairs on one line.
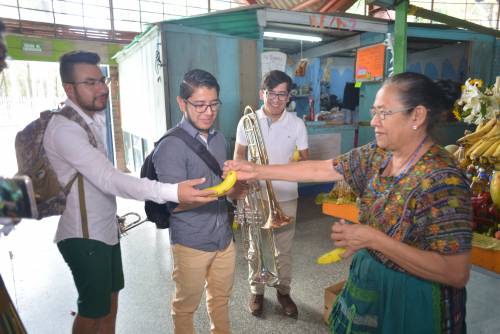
[[73, 115], [196, 147], [83, 207]]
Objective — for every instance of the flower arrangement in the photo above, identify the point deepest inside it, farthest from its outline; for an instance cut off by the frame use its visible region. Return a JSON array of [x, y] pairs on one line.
[[478, 103]]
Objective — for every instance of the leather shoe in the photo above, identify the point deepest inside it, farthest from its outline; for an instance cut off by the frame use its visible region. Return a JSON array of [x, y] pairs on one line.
[[288, 305], [256, 304]]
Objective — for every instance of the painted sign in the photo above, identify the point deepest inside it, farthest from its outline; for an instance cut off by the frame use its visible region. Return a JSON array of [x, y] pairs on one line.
[[333, 22], [273, 60], [36, 47], [324, 146], [370, 63], [32, 47]]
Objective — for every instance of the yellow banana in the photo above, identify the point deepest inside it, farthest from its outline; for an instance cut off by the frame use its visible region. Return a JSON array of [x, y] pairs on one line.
[[222, 188], [235, 225], [496, 155], [485, 144], [494, 131], [451, 148], [332, 256], [460, 153], [488, 154], [480, 132], [481, 125], [471, 148], [480, 149], [296, 154]]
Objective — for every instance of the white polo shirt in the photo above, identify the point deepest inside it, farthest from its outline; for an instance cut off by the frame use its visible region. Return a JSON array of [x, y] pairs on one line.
[[280, 139], [69, 150]]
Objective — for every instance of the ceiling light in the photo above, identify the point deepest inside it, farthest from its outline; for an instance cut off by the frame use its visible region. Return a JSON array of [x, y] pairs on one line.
[[292, 36]]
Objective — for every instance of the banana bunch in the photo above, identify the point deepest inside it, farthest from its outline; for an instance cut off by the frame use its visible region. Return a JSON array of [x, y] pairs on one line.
[[483, 144], [222, 188]]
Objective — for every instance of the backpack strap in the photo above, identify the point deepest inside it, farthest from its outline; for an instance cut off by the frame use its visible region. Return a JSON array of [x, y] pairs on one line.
[[83, 207], [74, 116], [196, 146]]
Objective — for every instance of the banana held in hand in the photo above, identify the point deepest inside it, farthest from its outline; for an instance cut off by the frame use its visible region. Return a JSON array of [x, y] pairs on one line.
[[296, 154], [332, 256], [222, 188]]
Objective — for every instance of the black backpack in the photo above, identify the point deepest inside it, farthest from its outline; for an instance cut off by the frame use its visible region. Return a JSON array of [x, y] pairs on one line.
[[158, 213]]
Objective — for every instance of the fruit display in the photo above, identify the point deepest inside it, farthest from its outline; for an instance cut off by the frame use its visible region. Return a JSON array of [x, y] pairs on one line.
[[479, 155], [481, 146]]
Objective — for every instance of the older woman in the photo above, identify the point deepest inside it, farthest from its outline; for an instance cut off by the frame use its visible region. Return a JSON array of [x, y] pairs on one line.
[[412, 248]]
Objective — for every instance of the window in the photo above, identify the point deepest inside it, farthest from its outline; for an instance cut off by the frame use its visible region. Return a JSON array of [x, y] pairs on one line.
[[483, 12], [128, 15]]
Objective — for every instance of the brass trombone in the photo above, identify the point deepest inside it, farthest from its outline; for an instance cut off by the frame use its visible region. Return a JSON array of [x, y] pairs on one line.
[[128, 221], [257, 154], [259, 213]]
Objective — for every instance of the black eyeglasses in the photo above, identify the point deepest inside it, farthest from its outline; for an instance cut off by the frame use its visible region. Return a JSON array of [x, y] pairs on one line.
[[382, 114], [92, 82], [201, 108], [281, 96]]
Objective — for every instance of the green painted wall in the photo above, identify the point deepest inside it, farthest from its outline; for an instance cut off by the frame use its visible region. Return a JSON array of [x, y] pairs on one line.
[[50, 49]]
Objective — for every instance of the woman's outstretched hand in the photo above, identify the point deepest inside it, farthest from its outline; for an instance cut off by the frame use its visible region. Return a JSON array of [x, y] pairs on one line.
[[245, 170]]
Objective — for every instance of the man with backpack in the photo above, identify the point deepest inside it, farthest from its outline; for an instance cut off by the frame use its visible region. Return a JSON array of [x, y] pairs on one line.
[[87, 234], [201, 237]]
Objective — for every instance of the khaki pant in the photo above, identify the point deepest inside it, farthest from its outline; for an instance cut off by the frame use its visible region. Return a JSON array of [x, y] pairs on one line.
[[283, 239], [193, 271]]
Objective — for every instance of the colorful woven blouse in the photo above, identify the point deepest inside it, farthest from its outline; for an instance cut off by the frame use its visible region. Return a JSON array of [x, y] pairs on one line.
[[429, 208]]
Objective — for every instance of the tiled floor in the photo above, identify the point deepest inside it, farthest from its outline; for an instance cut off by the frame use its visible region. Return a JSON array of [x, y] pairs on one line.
[[41, 285]]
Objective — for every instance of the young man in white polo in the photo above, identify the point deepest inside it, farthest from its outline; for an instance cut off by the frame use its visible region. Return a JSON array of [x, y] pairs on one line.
[[282, 132]]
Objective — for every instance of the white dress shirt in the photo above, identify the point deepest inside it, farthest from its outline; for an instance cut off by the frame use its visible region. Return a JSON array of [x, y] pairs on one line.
[[69, 150], [280, 138]]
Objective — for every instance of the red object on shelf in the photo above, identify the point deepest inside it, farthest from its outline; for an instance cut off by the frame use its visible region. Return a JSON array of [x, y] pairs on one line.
[[311, 108]]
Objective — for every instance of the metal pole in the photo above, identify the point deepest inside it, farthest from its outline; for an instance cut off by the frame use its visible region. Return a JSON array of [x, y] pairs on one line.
[[112, 19], [400, 37]]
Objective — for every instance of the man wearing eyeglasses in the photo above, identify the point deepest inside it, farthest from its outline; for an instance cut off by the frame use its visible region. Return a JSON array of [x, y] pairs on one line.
[[282, 132], [202, 248], [88, 238]]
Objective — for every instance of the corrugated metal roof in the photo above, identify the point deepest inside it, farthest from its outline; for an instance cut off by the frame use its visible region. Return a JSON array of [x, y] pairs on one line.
[[240, 22], [290, 4], [323, 6]]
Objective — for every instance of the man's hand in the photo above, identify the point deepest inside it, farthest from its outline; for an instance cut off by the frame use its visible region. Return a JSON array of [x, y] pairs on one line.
[[188, 194], [239, 190], [245, 170]]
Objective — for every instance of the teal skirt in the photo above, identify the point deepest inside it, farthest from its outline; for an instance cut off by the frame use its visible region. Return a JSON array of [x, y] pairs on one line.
[[376, 299]]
